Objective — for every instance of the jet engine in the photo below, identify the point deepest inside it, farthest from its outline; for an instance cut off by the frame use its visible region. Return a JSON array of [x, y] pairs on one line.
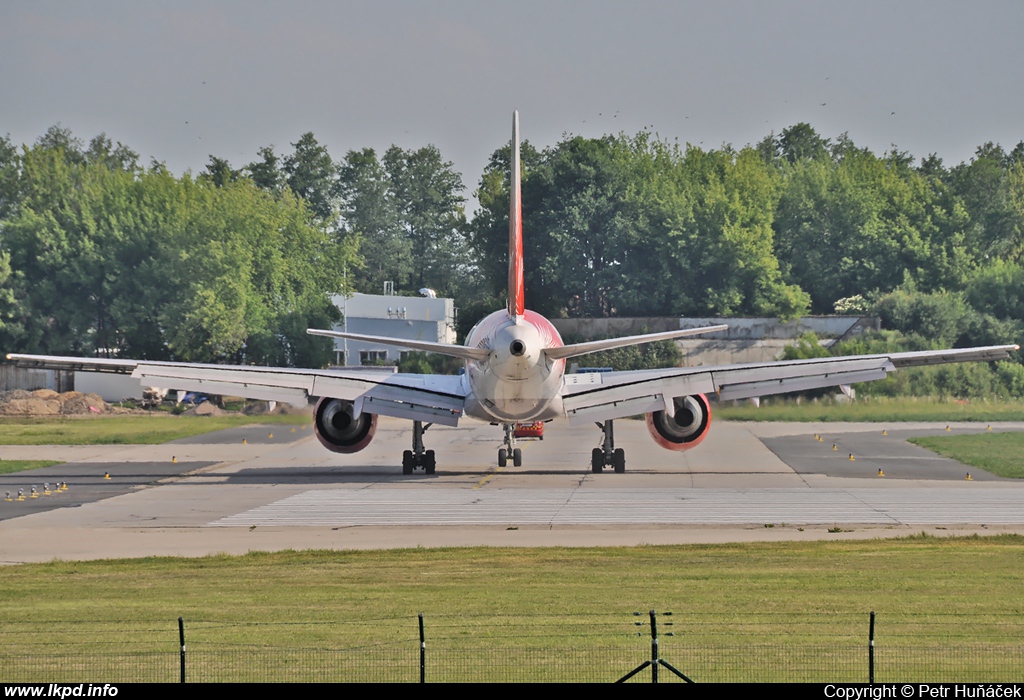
[[684, 430], [337, 430]]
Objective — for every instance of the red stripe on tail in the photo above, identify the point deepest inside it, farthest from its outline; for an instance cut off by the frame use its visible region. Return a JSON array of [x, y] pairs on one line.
[[516, 304]]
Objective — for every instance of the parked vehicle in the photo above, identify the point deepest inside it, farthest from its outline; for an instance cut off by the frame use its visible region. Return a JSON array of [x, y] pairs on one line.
[[530, 430]]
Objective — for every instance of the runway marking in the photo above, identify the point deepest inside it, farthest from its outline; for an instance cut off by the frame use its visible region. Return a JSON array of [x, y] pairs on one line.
[[488, 477], [570, 506]]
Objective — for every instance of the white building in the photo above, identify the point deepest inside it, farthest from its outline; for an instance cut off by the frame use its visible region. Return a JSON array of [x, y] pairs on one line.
[[411, 318]]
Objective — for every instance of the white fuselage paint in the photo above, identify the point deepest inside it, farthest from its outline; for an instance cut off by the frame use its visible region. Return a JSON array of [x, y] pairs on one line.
[[517, 382]]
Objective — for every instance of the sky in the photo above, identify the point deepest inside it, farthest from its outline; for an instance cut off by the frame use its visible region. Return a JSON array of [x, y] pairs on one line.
[[182, 81]]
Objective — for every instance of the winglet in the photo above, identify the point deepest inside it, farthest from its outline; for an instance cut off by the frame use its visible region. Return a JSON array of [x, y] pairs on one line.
[[516, 304]]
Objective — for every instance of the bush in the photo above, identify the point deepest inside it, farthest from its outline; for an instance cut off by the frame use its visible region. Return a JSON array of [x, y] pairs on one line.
[[941, 317]]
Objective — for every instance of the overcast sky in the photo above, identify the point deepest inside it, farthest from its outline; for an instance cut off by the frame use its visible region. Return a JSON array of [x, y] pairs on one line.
[[178, 81]]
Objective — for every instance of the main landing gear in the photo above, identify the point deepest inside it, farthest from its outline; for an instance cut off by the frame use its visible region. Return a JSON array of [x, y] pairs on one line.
[[418, 456], [509, 449], [606, 454]]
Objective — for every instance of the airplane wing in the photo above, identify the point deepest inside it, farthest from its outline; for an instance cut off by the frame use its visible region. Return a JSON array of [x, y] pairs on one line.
[[604, 396], [427, 397]]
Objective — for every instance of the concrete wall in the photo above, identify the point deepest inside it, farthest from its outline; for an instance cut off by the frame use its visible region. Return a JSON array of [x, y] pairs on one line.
[[727, 352], [772, 328], [593, 328]]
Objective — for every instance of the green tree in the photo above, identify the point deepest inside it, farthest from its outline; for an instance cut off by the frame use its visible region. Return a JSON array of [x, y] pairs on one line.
[[857, 223], [104, 257], [369, 211], [311, 174], [487, 233], [266, 173], [633, 226], [732, 260], [10, 168], [10, 313], [102, 151], [801, 142], [219, 172], [430, 206], [941, 317]]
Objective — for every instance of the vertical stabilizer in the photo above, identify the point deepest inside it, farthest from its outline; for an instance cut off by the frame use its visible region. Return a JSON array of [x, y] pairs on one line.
[[516, 305]]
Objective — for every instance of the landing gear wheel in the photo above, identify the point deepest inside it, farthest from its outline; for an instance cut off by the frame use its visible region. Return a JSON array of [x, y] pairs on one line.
[[597, 460], [508, 450], [418, 456], [619, 461]]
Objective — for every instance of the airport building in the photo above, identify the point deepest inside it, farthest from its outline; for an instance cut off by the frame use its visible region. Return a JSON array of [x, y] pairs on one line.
[[411, 318]]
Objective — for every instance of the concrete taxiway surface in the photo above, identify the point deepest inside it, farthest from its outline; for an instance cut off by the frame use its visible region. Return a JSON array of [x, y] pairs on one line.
[[767, 481]]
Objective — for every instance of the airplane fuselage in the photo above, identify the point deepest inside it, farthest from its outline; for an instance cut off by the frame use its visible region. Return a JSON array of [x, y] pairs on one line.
[[516, 383]]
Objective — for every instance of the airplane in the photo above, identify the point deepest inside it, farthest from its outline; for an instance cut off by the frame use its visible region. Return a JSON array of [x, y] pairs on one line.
[[515, 373]]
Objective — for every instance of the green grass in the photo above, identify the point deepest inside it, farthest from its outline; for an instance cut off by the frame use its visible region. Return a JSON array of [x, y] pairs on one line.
[[873, 409], [9, 466], [125, 430], [529, 607], [999, 453]]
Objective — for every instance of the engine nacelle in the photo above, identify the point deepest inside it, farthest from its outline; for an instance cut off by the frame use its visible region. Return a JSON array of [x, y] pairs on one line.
[[687, 428], [336, 429]]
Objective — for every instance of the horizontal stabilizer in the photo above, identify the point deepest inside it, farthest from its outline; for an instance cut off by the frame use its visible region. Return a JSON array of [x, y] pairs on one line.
[[460, 351], [598, 345]]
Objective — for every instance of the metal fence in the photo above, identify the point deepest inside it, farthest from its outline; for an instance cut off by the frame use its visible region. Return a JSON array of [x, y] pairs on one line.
[[504, 657]]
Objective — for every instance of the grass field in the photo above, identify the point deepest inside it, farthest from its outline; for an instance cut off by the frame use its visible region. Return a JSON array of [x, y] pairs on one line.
[[872, 410], [999, 453], [125, 430], [9, 466], [530, 607]]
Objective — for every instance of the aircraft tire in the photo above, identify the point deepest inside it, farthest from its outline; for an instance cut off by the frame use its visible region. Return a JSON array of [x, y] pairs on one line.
[[408, 463], [517, 457], [619, 460], [597, 460], [502, 457], [429, 462]]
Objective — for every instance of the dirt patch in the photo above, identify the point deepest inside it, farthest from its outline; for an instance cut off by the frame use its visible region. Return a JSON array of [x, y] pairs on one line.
[[206, 408], [262, 408], [45, 402]]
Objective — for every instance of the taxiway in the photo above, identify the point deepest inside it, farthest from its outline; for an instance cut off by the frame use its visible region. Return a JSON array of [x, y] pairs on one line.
[[769, 481]]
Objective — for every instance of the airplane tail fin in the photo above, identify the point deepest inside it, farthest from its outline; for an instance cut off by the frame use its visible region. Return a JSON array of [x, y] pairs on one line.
[[516, 304]]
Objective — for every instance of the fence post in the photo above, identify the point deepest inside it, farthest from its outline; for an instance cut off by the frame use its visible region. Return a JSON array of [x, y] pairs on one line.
[[871, 649], [654, 647], [181, 639], [423, 653], [655, 659]]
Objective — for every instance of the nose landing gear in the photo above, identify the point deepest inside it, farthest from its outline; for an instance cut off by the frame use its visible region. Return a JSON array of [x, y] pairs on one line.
[[509, 448], [607, 454]]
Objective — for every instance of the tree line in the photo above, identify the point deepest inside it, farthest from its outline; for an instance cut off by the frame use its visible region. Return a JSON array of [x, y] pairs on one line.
[[102, 255]]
